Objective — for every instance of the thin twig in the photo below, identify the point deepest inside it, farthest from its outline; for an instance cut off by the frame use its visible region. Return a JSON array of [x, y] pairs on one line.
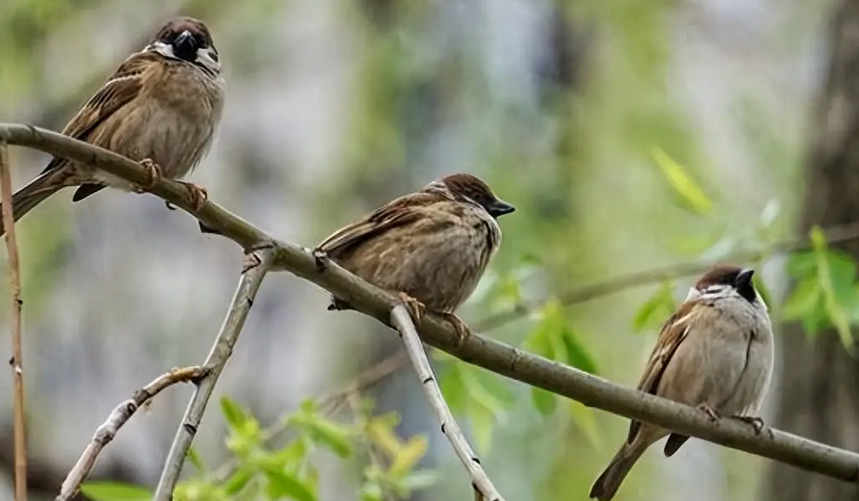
[[17, 361], [369, 377], [401, 320], [120, 415], [834, 234], [485, 352], [255, 269]]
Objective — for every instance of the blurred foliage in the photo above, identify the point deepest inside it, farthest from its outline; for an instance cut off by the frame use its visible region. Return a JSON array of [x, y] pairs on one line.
[[605, 164], [258, 470], [826, 293]]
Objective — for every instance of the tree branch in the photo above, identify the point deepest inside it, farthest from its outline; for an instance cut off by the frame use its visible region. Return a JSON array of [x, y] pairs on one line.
[[257, 265], [834, 234], [403, 323], [479, 350], [17, 361], [120, 415]]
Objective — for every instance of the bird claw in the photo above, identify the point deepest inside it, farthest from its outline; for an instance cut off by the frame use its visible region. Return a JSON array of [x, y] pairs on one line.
[[416, 309], [197, 195], [321, 258], [461, 329], [711, 412], [756, 422], [153, 172]]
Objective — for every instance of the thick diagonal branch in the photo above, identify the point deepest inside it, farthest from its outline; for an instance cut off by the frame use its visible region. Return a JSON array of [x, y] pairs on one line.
[[257, 265], [479, 350], [403, 323], [120, 415]]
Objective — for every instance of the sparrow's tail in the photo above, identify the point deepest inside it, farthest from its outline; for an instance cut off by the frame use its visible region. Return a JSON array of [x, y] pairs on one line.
[[37, 191], [607, 484]]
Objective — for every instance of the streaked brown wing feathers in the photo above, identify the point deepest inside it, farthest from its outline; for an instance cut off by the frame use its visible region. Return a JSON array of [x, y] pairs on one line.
[[117, 91], [399, 212], [670, 337]]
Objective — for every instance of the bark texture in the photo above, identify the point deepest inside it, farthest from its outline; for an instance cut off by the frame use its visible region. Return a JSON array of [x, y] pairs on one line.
[[819, 387]]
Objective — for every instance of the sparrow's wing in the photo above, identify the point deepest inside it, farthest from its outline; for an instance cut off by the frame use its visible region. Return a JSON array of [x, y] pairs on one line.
[[119, 90], [399, 212], [673, 333]]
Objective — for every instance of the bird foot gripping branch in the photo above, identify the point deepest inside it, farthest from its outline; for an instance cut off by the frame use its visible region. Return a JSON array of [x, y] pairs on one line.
[[197, 195], [416, 309], [153, 171]]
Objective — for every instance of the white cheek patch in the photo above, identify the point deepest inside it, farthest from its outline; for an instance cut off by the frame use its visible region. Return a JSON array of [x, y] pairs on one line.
[[693, 294], [165, 49], [204, 57]]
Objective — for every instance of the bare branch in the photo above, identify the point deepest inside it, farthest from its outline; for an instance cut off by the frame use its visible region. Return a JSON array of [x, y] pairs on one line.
[[17, 361], [403, 323], [256, 267], [120, 415], [479, 350]]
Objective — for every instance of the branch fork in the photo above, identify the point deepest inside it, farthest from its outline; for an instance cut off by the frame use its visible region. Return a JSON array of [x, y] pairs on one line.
[[479, 350]]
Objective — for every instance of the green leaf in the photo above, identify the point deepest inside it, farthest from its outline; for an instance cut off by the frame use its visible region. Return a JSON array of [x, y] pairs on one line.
[[233, 413], [682, 183], [452, 387], [482, 425], [238, 480], [115, 491], [802, 264], [585, 420], [545, 402], [195, 460], [293, 453], [826, 261], [656, 309], [334, 436], [486, 390], [805, 298], [418, 480], [577, 355], [282, 484], [372, 491], [408, 456]]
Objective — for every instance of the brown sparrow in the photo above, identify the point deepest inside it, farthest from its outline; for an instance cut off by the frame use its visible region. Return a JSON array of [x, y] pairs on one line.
[[714, 353], [430, 247], [160, 107]]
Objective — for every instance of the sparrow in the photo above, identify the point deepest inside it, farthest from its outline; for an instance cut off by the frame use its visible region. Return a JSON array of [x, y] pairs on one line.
[[160, 108], [714, 353], [430, 247]]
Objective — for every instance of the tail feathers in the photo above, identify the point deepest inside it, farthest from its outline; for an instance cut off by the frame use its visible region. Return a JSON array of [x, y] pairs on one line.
[[36, 192], [607, 484]]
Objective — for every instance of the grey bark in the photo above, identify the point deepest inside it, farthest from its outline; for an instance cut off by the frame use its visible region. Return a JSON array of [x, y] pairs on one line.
[[819, 387]]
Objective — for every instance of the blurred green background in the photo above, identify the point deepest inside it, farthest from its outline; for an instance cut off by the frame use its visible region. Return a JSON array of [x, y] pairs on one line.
[[628, 134]]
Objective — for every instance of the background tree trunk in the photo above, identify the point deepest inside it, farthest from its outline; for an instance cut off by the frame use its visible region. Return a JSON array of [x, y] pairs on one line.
[[819, 387]]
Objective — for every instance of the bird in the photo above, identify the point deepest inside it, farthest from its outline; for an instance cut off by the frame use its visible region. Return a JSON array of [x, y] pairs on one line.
[[715, 353], [430, 247], [160, 108]]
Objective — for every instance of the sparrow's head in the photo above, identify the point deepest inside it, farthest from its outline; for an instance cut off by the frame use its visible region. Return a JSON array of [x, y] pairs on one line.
[[724, 281], [187, 39], [470, 188]]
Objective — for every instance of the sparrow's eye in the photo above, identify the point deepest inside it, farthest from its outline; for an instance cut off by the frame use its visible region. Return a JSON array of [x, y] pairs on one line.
[[214, 56]]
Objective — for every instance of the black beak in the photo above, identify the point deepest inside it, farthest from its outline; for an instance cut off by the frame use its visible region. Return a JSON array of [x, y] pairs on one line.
[[184, 46], [499, 208], [744, 278]]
